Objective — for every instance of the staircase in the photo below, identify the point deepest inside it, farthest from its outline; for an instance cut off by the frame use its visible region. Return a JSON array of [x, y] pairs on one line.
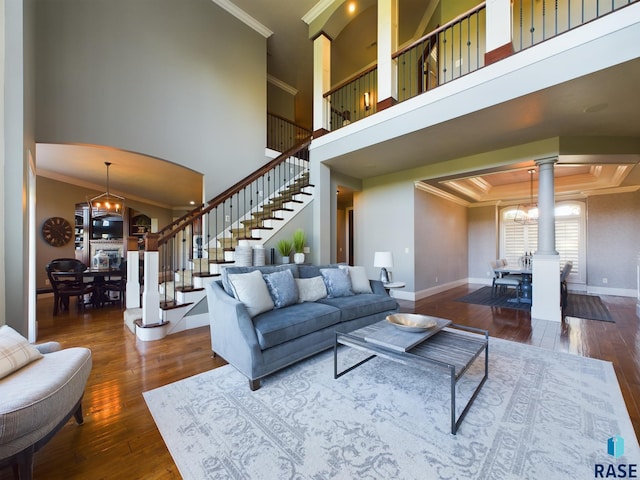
[[193, 250]]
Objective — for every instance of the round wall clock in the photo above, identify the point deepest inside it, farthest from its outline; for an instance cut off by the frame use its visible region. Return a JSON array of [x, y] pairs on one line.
[[56, 231]]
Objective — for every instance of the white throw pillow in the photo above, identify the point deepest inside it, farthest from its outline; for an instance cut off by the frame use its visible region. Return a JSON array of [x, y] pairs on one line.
[[359, 281], [15, 351], [251, 289], [311, 289]]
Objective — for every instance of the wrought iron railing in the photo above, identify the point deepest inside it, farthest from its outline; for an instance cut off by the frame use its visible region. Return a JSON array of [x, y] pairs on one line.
[[283, 134], [208, 235], [539, 20], [449, 52], [353, 99]]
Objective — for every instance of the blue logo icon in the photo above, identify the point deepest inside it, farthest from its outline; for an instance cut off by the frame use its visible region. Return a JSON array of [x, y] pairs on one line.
[[615, 446]]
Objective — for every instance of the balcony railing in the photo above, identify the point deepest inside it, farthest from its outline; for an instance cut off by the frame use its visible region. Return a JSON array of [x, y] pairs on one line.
[[536, 21], [449, 52], [353, 99], [458, 48], [283, 134]]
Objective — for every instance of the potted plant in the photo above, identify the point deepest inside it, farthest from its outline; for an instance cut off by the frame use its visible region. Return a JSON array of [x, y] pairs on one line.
[[299, 241], [285, 246]]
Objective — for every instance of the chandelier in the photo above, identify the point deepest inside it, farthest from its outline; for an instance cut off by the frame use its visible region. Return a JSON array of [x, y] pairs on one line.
[[107, 203], [527, 214]]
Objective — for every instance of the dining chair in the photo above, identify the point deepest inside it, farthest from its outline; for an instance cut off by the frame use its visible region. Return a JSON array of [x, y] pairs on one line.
[[501, 283], [117, 285], [66, 276], [564, 292]]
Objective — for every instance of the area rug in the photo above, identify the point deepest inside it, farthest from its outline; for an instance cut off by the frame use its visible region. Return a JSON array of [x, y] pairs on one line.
[[590, 307], [540, 415]]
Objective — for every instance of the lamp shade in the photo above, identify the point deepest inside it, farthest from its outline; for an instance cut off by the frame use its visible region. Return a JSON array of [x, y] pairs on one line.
[[383, 260]]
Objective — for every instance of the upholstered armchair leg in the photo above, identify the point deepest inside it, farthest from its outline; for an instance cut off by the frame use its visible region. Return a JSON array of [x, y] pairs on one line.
[[254, 384], [24, 464], [78, 414]]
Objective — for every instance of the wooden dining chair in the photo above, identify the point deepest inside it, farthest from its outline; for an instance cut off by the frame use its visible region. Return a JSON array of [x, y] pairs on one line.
[[66, 276], [118, 284]]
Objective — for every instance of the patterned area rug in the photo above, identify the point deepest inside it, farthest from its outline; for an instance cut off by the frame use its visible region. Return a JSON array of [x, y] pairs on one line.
[[589, 307], [540, 415]]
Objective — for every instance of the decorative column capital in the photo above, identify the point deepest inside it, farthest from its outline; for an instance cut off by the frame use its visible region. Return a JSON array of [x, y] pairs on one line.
[[546, 161]]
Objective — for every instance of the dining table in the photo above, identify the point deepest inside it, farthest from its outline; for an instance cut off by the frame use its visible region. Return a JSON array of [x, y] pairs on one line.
[[526, 289], [97, 276]]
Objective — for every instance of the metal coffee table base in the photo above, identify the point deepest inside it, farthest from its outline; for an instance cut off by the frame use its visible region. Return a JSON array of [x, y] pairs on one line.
[[447, 349]]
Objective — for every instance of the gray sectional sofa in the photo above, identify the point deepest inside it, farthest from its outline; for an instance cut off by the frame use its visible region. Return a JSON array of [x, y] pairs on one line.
[[304, 305]]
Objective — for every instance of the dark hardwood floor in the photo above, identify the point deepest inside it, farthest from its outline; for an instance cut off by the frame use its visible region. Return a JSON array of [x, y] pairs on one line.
[[119, 439]]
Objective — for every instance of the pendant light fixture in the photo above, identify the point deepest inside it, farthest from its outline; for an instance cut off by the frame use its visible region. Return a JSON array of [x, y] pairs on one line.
[[107, 203], [527, 214]]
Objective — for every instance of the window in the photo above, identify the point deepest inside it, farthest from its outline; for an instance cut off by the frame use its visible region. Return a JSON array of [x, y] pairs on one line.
[[516, 239]]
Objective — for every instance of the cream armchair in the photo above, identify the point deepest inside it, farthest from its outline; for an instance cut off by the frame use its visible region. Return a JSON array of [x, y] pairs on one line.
[[38, 398]]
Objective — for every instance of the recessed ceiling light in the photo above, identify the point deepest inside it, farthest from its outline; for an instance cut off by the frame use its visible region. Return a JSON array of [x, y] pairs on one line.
[[192, 202], [352, 7]]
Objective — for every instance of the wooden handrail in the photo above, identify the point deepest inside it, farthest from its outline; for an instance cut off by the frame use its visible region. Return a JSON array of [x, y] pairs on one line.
[[213, 203], [181, 219], [279, 117], [351, 80], [468, 13]]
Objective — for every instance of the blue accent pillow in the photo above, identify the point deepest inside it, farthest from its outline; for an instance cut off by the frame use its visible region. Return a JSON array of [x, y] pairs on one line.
[[282, 288], [337, 282]]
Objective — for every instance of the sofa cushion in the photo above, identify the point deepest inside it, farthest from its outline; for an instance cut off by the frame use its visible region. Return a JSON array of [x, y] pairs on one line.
[[361, 305], [311, 289], [309, 271], [251, 289], [262, 269], [282, 288], [279, 326], [337, 282], [15, 351], [359, 280]]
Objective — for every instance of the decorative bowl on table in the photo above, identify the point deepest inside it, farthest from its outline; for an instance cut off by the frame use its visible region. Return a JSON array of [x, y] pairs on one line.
[[411, 322]]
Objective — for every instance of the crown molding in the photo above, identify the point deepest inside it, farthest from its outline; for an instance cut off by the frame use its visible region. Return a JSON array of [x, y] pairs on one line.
[[439, 193], [244, 17], [316, 10], [282, 85]]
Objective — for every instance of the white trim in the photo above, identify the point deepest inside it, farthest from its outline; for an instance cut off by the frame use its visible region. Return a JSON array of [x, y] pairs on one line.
[[282, 85], [439, 193], [316, 11], [244, 17], [611, 191], [616, 292]]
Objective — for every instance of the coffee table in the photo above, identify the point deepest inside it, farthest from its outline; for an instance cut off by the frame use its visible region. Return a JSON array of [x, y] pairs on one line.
[[445, 346]]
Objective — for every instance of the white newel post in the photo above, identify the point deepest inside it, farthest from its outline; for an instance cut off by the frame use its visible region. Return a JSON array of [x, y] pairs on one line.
[[546, 261], [151, 293], [133, 280]]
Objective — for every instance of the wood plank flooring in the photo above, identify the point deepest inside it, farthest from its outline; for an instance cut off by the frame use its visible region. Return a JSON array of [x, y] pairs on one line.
[[119, 439]]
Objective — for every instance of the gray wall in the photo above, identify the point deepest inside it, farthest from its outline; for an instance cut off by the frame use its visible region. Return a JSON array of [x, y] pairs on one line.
[[441, 235], [18, 131], [613, 240], [483, 241], [183, 81]]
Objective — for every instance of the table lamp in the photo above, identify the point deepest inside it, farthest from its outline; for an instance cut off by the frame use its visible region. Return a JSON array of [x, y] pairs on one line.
[[383, 260]]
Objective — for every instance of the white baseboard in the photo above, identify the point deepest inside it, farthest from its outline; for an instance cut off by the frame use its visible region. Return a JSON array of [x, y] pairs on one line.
[[617, 292], [413, 296]]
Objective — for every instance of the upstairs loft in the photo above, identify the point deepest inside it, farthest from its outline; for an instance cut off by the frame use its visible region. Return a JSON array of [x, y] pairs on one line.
[[487, 80]]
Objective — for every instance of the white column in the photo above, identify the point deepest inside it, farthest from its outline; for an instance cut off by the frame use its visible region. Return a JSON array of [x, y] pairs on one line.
[[151, 294], [321, 82], [546, 261], [133, 280], [322, 207], [546, 207], [387, 45], [499, 28]]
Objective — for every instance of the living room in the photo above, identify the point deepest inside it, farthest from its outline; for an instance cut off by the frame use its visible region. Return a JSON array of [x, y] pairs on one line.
[[429, 267]]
